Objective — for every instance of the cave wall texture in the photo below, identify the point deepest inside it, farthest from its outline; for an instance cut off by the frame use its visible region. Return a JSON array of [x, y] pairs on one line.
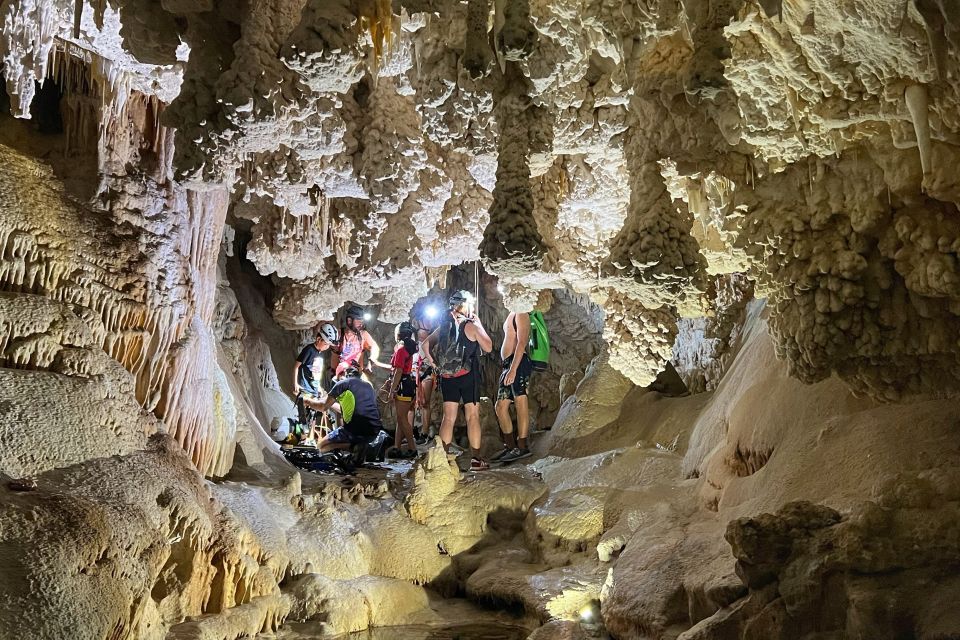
[[763, 194]]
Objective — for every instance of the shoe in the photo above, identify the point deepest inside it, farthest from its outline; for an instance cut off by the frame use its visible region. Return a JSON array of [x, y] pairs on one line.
[[515, 454], [499, 456], [409, 454], [394, 453], [478, 464]]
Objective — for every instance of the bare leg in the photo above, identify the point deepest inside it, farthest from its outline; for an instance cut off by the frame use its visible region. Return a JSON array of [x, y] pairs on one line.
[[446, 425], [426, 405], [503, 416], [472, 411], [523, 420], [506, 423], [325, 445], [404, 429]]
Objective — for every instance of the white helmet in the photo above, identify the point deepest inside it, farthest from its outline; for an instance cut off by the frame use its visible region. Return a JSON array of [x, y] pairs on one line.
[[329, 333]]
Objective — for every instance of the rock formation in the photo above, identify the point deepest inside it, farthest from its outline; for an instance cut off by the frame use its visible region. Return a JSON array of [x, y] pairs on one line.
[[758, 197]]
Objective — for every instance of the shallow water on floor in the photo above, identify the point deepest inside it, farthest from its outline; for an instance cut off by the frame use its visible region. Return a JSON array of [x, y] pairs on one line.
[[478, 631]]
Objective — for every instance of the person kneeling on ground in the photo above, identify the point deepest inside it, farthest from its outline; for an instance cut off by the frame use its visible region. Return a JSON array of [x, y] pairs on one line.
[[457, 344], [356, 402], [405, 388], [517, 368]]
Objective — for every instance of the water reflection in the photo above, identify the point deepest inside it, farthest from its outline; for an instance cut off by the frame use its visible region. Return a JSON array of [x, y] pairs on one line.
[[485, 631]]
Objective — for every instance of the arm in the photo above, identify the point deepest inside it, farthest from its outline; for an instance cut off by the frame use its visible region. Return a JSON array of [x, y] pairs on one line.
[[328, 399], [334, 360], [296, 377], [523, 336], [479, 334], [374, 350], [396, 378]]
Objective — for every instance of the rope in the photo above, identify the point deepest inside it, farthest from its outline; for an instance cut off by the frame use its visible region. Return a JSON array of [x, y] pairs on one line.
[[385, 396]]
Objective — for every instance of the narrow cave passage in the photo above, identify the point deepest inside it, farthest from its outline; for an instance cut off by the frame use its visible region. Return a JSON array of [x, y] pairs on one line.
[[458, 319]]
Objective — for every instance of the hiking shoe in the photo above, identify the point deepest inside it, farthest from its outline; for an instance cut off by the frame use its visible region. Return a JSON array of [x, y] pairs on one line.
[[498, 457], [478, 464], [515, 454]]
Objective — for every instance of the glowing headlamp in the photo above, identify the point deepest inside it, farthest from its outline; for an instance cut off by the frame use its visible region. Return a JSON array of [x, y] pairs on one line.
[[367, 317], [432, 312]]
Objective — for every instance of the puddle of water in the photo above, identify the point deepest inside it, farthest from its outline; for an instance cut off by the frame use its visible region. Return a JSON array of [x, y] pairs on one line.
[[478, 631]]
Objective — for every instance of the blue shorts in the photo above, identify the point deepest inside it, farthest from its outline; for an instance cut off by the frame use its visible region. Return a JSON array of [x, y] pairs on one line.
[[342, 435]]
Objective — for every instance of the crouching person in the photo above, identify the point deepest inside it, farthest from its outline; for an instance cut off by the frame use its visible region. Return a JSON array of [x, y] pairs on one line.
[[356, 401]]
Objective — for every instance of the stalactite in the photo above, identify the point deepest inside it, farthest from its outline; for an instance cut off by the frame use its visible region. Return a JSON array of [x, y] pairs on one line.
[[29, 27], [918, 105], [376, 20]]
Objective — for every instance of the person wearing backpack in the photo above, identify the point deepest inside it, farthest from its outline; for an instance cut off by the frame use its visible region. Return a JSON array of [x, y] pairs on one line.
[[525, 349], [454, 350], [512, 389]]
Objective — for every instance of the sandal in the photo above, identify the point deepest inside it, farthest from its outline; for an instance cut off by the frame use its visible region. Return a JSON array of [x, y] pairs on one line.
[[478, 464]]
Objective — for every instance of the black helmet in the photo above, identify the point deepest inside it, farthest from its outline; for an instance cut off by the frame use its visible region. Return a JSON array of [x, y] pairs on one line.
[[460, 297], [329, 333], [404, 331], [352, 372], [355, 312]]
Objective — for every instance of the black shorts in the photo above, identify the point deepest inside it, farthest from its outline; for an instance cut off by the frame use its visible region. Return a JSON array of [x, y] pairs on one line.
[[407, 389], [520, 382], [465, 388]]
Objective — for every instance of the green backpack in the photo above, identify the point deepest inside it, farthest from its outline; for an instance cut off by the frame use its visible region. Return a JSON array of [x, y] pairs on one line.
[[539, 348]]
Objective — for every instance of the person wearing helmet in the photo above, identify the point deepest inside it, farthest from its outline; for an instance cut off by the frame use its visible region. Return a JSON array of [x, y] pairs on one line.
[[356, 344], [426, 375], [454, 350], [405, 389], [307, 370], [355, 400]]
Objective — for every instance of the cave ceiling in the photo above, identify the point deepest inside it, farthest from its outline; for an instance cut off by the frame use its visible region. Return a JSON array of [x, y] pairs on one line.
[[633, 152]]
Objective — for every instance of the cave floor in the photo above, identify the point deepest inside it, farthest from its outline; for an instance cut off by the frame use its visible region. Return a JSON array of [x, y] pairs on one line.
[[457, 619]]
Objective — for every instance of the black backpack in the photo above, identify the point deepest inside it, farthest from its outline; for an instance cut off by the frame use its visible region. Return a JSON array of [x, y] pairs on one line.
[[455, 352]]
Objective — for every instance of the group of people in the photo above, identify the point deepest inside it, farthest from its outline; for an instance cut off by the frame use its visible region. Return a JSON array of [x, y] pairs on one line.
[[443, 351]]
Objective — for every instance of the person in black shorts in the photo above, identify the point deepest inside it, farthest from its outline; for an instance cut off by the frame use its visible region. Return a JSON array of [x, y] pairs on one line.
[[454, 350], [356, 401], [517, 368], [405, 389]]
